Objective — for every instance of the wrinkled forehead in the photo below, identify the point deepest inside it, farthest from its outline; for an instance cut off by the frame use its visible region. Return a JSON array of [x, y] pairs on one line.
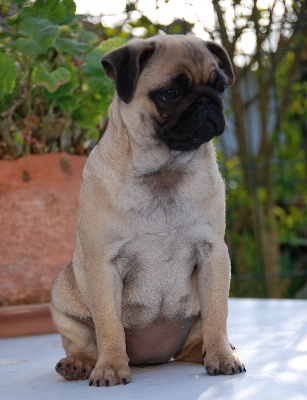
[[175, 56], [183, 46]]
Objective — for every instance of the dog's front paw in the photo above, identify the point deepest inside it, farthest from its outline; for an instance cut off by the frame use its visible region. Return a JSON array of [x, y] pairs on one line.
[[76, 366], [110, 375], [218, 361]]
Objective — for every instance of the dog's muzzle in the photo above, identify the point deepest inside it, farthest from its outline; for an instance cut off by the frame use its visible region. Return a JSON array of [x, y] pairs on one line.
[[196, 125]]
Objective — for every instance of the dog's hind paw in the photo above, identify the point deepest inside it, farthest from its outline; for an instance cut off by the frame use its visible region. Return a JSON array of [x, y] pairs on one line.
[[76, 366]]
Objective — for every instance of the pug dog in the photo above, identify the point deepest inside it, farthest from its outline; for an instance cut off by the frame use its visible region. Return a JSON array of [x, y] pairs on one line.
[[150, 274]]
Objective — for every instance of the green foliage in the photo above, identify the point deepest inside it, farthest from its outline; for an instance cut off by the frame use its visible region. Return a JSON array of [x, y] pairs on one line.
[[50, 69], [288, 170], [8, 75]]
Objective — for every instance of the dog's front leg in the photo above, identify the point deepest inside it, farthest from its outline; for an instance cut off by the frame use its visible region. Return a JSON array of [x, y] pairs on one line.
[[213, 279], [105, 295]]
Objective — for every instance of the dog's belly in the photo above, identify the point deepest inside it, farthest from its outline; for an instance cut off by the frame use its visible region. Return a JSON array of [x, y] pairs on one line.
[[160, 297], [158, 342]]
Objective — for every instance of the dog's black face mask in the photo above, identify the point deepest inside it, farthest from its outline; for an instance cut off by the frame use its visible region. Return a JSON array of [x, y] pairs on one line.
[[190, 117]]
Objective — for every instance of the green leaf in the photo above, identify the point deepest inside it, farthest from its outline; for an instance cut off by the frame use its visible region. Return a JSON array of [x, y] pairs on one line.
[[58, 12], [8, 75], [65, 91], [51, 81], [70, 46], [37, 34]]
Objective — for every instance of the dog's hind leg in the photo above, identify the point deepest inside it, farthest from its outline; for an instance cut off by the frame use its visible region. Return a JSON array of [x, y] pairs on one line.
[[79, 343], [192, 348], [73, 322]]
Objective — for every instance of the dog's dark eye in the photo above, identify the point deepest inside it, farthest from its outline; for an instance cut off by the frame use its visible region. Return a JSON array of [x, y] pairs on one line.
[[170, 95], [221, 89]]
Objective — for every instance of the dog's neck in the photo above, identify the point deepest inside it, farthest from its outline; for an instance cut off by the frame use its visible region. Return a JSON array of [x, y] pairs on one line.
[[145, 156]]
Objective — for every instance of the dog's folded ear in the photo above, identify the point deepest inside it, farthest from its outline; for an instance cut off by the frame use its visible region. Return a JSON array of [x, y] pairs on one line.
[[124, 66], [223, 60]]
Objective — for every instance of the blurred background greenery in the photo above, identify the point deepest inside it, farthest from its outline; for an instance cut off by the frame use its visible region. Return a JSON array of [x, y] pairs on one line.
[[54, 97]]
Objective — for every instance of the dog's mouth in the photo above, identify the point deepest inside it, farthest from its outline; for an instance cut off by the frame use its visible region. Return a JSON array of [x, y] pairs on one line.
[[196, 125], [202, 135]]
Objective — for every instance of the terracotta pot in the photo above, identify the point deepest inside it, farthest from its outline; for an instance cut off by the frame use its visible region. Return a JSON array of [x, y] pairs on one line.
[[33, 319], [38, 209]]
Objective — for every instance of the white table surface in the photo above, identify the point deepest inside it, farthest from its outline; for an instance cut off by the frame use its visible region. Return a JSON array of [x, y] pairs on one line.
[[270, 337]]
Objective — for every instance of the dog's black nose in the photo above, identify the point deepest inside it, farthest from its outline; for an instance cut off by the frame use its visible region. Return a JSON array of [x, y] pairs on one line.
[[204, 101]]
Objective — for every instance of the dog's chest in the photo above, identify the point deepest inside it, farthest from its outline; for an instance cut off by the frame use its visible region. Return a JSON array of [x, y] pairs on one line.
[[168, 193]]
